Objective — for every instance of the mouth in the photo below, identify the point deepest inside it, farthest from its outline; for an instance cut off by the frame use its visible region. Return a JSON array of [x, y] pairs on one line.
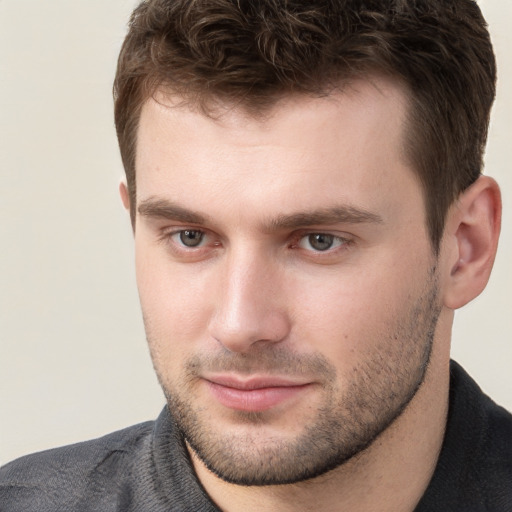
[[255, 394]]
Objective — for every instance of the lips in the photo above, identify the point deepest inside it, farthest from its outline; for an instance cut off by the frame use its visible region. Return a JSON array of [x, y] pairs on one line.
[[254, 394]]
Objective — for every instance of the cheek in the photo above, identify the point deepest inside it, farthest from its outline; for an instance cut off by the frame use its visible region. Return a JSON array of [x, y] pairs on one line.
[[350, 317], [174, 306]]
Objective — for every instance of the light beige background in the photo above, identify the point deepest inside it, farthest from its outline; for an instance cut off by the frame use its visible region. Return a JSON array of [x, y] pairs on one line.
[[73, 360]]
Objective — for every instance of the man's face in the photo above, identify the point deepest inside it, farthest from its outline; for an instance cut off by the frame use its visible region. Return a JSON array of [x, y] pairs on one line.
[[287, 282]]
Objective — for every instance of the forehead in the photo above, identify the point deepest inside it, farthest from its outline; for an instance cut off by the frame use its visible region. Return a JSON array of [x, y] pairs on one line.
[[347, 146], [374, 94]]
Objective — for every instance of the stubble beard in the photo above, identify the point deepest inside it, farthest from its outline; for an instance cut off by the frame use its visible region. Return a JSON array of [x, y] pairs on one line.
[[346, 422]]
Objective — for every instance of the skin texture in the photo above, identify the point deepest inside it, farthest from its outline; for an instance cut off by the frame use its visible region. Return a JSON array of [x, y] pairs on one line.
[[349, 329]]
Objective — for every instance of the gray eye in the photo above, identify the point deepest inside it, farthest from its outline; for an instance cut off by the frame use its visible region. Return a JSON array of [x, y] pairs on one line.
[[321, 241], [191, 238]]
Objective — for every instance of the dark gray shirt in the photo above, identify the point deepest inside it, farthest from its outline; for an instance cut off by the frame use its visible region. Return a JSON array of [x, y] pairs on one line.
[[146, 468]]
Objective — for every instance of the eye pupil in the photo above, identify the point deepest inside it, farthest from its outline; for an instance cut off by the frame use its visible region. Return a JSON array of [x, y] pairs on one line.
[[321, 241], [191, 238]]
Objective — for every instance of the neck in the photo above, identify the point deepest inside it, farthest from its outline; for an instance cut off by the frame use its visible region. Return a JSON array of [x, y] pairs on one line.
[[392, 474]]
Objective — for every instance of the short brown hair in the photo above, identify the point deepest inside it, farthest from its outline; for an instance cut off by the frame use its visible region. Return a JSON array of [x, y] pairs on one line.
[[252, 52]]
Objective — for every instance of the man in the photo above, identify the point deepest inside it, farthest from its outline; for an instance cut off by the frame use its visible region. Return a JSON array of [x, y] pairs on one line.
[[303, 181]]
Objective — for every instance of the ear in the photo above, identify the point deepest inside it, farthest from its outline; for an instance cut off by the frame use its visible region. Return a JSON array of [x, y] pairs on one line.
[[471, 234], [123, 192]]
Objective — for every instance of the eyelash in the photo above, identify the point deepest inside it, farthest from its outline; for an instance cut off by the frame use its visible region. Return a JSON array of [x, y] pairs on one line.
[[342, 242], [167, 237]]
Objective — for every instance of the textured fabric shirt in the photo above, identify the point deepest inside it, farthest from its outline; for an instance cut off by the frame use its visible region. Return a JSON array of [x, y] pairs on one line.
[[146, 468]]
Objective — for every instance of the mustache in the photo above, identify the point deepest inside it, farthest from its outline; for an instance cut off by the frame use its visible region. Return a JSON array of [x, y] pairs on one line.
[[269, 361]]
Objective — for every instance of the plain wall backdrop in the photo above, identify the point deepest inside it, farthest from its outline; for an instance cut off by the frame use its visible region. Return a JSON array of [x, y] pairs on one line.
[[73, 357]]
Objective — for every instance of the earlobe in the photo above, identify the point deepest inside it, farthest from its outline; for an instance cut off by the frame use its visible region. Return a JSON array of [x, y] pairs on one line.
[[123, 192], [472, 227]]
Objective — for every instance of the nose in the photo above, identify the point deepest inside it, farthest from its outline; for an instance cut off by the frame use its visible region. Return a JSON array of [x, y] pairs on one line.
[[250, 308]]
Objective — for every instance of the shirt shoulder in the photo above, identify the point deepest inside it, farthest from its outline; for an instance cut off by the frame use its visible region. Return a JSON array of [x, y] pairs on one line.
[[495, 457], [61, 478], [474, 470]]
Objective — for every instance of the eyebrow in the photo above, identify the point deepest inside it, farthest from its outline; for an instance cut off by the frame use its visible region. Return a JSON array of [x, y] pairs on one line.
[[164, 209], [346, 214], [335, 215]]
